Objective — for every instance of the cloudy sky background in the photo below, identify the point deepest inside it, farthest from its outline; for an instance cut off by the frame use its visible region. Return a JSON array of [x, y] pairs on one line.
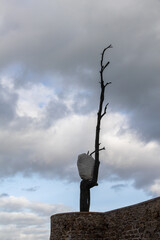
[[49, 92]]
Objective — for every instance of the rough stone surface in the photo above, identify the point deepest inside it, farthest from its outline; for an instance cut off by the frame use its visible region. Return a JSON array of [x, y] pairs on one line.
[[136, 222]]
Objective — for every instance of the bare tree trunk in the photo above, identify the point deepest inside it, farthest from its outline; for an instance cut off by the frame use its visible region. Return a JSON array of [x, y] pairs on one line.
[[100, 115], [84, 196], [87, 184]]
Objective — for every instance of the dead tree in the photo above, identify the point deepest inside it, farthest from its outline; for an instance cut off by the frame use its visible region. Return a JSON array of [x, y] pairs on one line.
[[86, 185]]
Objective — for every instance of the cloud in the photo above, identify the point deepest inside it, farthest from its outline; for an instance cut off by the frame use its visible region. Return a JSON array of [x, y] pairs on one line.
[[49, 93], [118, 187], [8, 101], [53, 152], [50, 152], [127, 156], [25, 219], [49, 89], [33, 104], [19, 204], [155, 188], [31, 189], [6, 232], [62, 46], [4, 195], [55, 110]]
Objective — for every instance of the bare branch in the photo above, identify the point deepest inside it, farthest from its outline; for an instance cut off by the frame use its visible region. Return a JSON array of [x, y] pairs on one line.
[[98, 150], [105, 109], [107, 84], [110, 46], [103, 67]]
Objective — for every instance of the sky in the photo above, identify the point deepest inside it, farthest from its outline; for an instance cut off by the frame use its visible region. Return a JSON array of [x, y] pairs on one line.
[[49, 94]]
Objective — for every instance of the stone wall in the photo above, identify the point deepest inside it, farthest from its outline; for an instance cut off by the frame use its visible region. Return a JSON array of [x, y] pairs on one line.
[[137, 222]]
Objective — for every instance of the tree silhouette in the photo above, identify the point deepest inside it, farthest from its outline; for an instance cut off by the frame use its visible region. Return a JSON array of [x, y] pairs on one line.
[[87, 184]]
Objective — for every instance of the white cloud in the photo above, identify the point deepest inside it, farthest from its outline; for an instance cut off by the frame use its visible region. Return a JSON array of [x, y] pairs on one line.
[[22, 219], [18, 204], [155, 188], [32, 100], [11, 232], [127, 156], [6, 82], [53, 152], [50, 151]]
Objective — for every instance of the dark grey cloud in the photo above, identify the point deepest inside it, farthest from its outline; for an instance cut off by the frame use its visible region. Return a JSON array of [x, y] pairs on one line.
[[67, 43], [118, 187], [8, 101], [31, 189], [55, 110], [135, 91], [142, 177], [4, 195]]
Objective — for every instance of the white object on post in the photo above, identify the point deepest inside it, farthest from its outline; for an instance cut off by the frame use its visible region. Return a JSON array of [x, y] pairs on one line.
[[85, 165]]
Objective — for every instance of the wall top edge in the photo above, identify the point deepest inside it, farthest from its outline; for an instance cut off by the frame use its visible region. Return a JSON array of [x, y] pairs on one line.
[[102, 213], [134, 205], [78, 213]]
